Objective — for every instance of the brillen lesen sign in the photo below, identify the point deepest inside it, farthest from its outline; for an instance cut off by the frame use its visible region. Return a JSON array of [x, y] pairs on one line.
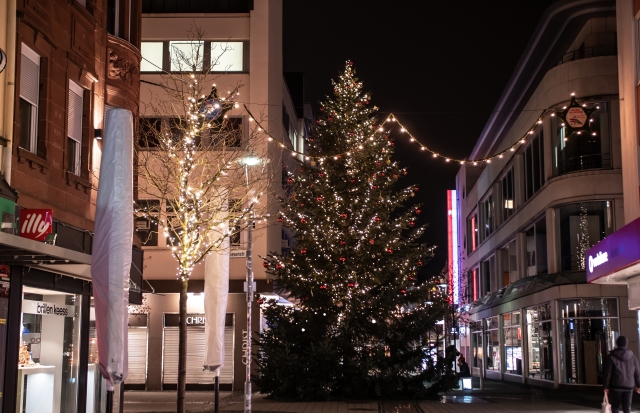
[[36, 224]]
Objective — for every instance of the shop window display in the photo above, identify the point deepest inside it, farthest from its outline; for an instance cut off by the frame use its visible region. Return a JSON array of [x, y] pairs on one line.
[[589, 329], [539, 333], [476, 343], [512, 342], [50, 343], [492, 344]]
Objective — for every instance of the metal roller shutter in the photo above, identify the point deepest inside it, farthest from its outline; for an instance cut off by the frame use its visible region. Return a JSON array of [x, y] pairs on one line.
[[195, 356], [137, 350], [29, 75]]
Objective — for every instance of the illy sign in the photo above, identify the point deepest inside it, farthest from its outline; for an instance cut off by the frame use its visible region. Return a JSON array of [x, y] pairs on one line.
[[599, 259], [36, 224]]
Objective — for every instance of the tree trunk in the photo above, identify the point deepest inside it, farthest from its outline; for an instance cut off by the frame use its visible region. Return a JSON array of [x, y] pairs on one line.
[[182, 347]]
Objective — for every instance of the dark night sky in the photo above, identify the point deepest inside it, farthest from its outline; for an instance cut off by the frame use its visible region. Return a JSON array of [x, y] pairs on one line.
[[440, 66]]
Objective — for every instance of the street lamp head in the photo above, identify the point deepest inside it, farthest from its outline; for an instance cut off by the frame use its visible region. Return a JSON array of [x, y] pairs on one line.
[[250, 160]]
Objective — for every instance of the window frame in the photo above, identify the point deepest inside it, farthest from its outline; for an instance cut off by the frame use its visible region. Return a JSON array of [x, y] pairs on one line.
[[27, 53], [207, 60], [74, 158], [531, 183]]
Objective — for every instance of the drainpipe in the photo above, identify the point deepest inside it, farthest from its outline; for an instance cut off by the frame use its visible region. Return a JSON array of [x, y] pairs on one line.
[[8, 85]]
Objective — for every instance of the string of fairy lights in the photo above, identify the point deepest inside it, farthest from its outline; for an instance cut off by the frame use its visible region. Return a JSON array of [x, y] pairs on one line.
[[392, 119]]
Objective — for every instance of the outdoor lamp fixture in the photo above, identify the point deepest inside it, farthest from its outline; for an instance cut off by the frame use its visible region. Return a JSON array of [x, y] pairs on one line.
[[97, 133]]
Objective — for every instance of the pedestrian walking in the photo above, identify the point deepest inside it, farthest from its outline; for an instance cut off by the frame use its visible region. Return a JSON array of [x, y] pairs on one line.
[[621, 376]]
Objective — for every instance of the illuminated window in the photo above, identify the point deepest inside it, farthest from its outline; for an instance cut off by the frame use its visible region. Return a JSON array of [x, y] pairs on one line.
[[152, 55], [227, 56]]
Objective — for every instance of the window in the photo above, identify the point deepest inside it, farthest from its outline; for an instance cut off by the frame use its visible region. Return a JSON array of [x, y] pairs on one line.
[[472, 232], [507, 186], [286, 123], [588, 331], [508, 264], [512, 343], [74, 129], [492, 342], [486, 274], [122, 19], [540, 336], [487, 223], [149, 132], [227, 56], [29, 97], [474, 285], [537, 248], [581, 226], [147, 224], [586, 150], [533, 166], [228, 134], [152, 55], [186, 55], [476, 342]]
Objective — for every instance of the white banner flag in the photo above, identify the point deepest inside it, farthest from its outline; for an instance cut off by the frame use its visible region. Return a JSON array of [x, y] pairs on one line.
[[111, 259]]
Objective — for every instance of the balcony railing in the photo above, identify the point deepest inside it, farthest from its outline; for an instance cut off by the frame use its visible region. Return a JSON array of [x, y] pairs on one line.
[[587, 52]]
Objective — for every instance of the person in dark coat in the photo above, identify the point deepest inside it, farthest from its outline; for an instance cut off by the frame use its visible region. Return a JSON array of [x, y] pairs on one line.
[[621, 376], [464, 368]]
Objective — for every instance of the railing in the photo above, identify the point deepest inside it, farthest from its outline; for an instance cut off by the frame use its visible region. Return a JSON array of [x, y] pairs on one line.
[[583, 162], [587, 52]]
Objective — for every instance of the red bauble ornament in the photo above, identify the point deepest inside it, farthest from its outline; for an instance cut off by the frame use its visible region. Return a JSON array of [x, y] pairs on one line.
[[278, 267], [416, 189], [303, 221], [350, 63], [350, 285], [411, 277], [311, 139], [405, 172], [301, 205], [280, 219], [321, 109], [411, 223], [301, 169], [359, 103], [289, 180], [374, 186], [390, 251], [330, 119], [353, 181], [265, 264], [418, 211], [384, 151], [303, 251], [392, 143], [343, 215], [377, 219], [366, 101], [419, 262], [343, 259], [343, 242], [319, 198], [381, 173], [395, 176], [371, 242], [323, 287], [403, 291], [378, 163]]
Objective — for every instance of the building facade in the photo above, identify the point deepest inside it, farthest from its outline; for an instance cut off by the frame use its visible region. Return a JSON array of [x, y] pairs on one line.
[[543, 184], [68, 62], [252, 35], [616, 260]]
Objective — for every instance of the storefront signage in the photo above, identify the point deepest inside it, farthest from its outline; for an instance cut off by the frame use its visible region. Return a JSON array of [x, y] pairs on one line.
[[599, 259], [44, 308], [36, 224], [616, 252], [238, 254], [193, 320]]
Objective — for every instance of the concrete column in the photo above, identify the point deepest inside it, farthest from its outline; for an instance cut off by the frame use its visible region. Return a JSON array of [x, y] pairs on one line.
[[553, 242], [521, 254], [627, 49]]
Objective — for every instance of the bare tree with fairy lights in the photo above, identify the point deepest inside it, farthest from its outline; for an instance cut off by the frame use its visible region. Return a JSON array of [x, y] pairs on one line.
[[363, 320], [192, 178]]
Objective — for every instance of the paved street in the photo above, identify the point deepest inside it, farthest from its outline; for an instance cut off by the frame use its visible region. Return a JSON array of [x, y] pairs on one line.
[[496, 398]]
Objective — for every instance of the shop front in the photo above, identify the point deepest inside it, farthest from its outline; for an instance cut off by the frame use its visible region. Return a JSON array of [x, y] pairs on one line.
[[549, 330]]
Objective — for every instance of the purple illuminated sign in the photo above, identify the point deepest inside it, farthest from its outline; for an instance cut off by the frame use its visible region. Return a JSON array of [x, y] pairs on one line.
[[619, 250]]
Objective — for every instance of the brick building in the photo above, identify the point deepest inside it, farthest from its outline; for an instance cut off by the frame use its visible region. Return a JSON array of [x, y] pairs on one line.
[[68, 62]]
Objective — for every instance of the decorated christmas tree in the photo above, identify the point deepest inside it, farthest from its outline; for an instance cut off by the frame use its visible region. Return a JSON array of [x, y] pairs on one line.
[[363, 324]]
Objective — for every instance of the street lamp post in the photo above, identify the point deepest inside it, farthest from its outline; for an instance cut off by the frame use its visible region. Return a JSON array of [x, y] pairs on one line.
[[249, 161]]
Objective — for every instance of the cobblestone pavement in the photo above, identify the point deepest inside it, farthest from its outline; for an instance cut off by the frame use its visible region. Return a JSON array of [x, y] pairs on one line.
[[496, 398]]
